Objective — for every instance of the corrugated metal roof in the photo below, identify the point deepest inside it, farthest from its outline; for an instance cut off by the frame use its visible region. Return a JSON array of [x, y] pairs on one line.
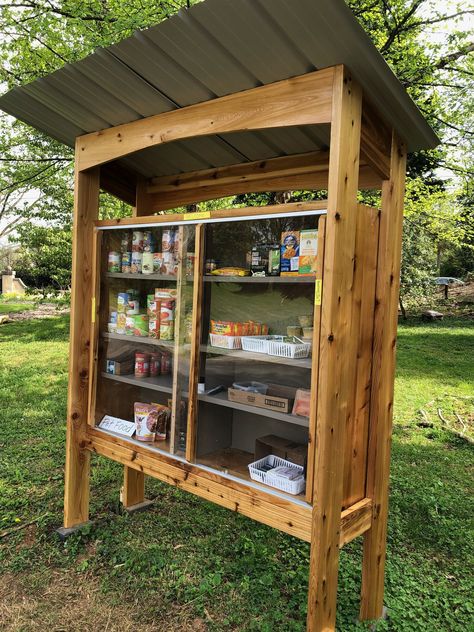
[[215, 48]]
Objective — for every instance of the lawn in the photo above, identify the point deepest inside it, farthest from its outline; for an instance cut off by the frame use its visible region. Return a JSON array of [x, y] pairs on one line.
[[10, 308], [189, 565]]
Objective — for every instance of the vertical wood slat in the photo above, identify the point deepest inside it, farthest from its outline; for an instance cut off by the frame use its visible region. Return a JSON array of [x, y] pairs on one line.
[[315, 362], [133, 491], [86, 205], [95, 324], [335, 368], [191, 434], [362, 326], [383, 372]]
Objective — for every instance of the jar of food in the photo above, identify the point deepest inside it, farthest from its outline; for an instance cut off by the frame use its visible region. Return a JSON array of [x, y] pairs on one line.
[[114, 262], [142, 364]]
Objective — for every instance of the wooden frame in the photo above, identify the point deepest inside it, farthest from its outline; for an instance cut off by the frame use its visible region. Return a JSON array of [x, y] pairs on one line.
[[353, 368]]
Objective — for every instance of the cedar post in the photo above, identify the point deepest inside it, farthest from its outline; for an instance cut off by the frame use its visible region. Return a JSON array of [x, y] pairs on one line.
[[86, 208], [336, 368], [383, 372]]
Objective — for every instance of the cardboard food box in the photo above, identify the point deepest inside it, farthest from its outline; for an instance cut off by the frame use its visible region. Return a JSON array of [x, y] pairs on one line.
[[289, 253], [284, 448], [308, 252], [277, 397], [122, 364]]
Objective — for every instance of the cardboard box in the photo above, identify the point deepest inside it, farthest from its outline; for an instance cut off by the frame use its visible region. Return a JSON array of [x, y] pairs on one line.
[[277, 397], [122, 364], [289, 252], [308, 252], [284, 448]]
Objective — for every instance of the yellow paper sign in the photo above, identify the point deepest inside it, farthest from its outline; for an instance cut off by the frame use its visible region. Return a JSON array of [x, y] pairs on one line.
[[93, 309], [197, 215], [318, 292]]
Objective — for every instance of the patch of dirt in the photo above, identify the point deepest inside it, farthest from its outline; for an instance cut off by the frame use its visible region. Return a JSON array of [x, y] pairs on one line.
[[73, 602], [44, 310]]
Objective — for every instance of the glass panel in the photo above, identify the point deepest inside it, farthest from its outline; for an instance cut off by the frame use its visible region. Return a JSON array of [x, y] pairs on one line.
[[255, 359], [146, 279]]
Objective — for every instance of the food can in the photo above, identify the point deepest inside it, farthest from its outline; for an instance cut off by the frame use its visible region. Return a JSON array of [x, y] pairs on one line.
[[147, 263], [113, 317], [167, 240], [190, 260], [122, 302], [114, 262], [140, 325], [121, 323], [155, 364], [167, 311], [154, 327], [211, 265], [112, 328], [166, 330], [126, 242], [126, 262], [176, 242], [137, 241], [137, 259], [169, 263], [165, 363], [133, 307], [148, 241], [157, 262], [129, 325], [142, 364], [165, 293]]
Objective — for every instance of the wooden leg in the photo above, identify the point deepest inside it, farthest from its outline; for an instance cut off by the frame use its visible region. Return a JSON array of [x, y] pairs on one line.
[[383, 371], [133, 487], [336, 368], [76, 492]]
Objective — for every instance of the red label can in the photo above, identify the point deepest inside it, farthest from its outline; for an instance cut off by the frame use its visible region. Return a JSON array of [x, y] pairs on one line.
[[142, 364], [155, 364]]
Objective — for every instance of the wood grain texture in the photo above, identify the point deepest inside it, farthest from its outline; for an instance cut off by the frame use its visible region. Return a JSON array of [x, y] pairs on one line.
[[301, 171], [119, 181], [304, 100], [275, 511], [97, 270], [315, 365], [376, 140], [133, 491], [249, 211], [76, 492], [336, 367], [191, 434], [361, 338], [383, 372]]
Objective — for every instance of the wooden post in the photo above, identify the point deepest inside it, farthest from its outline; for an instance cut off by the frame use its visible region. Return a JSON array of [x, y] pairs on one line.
[[383, 372], [335, 367], [86, 205]]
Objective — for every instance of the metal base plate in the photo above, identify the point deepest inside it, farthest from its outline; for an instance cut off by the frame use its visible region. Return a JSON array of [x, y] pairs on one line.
[[65, 532], [146, 504]]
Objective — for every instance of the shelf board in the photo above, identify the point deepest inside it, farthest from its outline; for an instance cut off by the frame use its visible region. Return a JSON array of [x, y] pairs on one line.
[[143, 340], [161, 383], [235, 462], [208, 278], [220, 399], [238, 354], [147, 277]]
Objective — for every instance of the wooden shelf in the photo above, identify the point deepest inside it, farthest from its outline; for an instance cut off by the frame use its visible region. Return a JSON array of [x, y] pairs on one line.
[[208, 278], [143, 340], [162, 383], [140, 276], [220, 399], [235, 462], [238, 354]]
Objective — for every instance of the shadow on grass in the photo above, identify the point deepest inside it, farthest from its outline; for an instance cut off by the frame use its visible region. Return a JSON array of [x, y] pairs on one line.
[[34, 330]]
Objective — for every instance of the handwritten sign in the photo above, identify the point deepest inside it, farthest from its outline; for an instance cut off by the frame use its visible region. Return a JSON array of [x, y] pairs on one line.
[[120, 426], [197, 215]]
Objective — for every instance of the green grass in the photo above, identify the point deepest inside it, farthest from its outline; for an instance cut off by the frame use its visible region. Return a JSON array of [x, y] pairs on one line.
[[191, 565], [9, 308]]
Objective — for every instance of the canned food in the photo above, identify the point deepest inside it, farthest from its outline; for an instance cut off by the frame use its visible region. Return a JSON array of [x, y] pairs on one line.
[[140, 325], [166, 330], [114, 262], [148, 241], [121, 323], [167, 240], [126, 242], [133, 307], [113, 317], [122, 302], [158, 262], [154, 327], [190, 260], [129, 325], [167, 311], [126, 262], [155, 364], [137, 260], [210, 265], [169, 263], [142, 364], [147, 263], [137, 241], [165, 363]]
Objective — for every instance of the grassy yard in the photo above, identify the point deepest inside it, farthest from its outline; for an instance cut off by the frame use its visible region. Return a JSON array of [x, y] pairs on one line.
[[189, 565], [9, 308]]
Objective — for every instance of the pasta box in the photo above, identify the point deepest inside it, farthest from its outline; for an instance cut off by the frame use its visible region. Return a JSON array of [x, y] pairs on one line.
[[277, 397]]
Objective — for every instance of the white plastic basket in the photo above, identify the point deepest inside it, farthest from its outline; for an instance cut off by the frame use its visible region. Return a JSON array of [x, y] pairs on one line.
[[294, 350], [294, 487], [258, 344], [225, 342]]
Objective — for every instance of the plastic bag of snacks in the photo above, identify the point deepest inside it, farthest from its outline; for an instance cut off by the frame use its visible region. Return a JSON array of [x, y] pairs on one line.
[[146, 418], [163, 419]]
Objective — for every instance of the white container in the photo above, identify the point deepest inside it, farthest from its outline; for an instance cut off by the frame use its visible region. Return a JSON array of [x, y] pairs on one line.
[[293, 487], [258, 344], [225, 342], [294, 350]]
